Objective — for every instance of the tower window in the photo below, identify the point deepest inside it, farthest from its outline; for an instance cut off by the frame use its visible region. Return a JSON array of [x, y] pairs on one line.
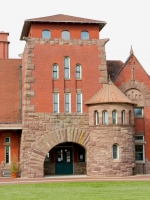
[[65, 35], [114, 117], [84, 35], [105, 117], [45, 34]]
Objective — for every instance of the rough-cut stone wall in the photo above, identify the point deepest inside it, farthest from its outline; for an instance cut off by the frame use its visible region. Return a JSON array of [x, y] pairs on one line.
[[102, 138], [44, 131], [80, 168]]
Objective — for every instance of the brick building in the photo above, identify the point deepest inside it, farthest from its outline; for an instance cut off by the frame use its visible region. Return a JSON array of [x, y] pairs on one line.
[[65, 109]]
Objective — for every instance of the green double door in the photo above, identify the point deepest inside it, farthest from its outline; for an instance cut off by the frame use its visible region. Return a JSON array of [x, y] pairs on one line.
[[63, 161]]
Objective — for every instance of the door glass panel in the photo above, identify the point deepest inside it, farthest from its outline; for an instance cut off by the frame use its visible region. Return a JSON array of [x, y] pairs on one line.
[[59, 156], [67, 156]]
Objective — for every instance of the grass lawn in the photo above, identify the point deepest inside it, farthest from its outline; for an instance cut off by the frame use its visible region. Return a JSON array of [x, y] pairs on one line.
[[139, 190]]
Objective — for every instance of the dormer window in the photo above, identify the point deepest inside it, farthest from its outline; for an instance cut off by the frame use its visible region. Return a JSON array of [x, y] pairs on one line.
[[65, 35], [45, 34], [84, 35]]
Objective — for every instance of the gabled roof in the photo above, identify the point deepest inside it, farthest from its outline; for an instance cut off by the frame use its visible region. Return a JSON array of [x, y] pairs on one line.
[[121, 68], [109, 94], [60, 18], [113, 66]]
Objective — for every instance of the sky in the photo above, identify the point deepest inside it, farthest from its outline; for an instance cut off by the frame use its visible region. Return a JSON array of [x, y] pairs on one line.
[[127, 23]]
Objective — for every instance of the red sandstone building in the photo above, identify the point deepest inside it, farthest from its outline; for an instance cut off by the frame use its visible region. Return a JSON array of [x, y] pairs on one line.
[[65, 109]]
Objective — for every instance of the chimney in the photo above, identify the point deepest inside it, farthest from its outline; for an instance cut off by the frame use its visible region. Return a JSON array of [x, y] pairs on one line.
[[4, 45]]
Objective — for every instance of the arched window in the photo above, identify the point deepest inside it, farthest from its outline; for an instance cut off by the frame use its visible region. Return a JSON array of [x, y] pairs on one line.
[[65, 35], [114, 117], [96, 117], [66, 68], [55, 71], [84, 35], [130, 117], [123, 117], [105, 117], [115, 151], [78, 71], [46, 34]]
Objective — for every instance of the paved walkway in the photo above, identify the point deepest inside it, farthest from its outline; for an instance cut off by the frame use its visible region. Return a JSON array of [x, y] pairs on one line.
[[75, 178]]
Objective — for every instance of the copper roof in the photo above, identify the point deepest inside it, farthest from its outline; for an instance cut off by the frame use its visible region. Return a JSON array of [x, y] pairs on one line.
[[113, 66], [60, 18], [109, 94]]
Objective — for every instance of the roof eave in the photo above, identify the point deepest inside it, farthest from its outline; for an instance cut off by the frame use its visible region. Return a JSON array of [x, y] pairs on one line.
[[111, 102], [27, 25]]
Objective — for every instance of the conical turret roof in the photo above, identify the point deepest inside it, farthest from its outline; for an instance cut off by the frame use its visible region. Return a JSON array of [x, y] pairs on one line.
[[109, 94]]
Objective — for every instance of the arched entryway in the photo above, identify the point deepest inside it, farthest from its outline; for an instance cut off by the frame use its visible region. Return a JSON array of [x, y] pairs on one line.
[[64, 159], [34, 167]]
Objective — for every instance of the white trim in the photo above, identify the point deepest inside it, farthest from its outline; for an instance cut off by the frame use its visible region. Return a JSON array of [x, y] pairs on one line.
[[67, 93], [57, 102], [105, 117], [80, 72], [96, 117], [5, 154], [81, 101], [66, 68], [10, 126], [57, 71]]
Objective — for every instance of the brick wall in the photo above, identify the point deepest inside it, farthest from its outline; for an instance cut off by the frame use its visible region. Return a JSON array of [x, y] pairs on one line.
[[10, 87]]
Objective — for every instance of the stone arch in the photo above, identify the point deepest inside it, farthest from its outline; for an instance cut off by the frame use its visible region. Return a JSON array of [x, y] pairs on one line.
[[140, 86], [50, 140]]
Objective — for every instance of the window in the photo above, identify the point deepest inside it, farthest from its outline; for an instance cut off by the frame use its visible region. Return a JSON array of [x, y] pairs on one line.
[[139, 149], [7, 154], [7, 139], [55, 71], [84, 35], [45, 34], [105, 117], [55, 102], [130, 117], [81, 154], [65, 35], [122, 116], [47, 157], [114, 117], [67, 103], [79, 102], [138, 112], [78, 72], [115, 154], [139, 137], [66, 68], [96, 116]]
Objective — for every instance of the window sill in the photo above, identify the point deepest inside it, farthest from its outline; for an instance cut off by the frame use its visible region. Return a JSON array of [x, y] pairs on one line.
[[140, 162], [137, 117], [116, 160]]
